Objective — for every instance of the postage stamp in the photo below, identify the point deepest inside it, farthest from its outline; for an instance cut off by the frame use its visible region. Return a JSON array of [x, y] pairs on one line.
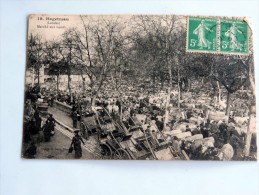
[[202, 34], [234, 37]]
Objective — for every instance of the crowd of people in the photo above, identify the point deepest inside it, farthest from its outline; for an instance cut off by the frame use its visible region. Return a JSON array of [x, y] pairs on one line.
[[40, 126], [189, 128], [35, 132]]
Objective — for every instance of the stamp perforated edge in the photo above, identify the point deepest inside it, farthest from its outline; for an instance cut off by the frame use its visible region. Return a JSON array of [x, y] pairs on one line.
[[187, 33], [248, 38], [219, 18]]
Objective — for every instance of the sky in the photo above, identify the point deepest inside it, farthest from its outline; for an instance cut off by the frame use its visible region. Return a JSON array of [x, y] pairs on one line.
[[51, 27]]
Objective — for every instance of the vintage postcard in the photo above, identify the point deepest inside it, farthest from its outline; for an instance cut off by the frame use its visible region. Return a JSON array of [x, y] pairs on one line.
[[139, 87]]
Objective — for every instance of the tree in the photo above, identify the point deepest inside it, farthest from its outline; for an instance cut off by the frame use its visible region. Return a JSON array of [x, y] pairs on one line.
[[147, 62], [228, 71], [57, 69], [165, 32], [65, 49], [35, 54], [251, 103], [99, 49], [248, 61], [54, 59]]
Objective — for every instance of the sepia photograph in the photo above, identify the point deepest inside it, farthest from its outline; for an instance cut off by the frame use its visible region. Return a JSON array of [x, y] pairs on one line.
[[139, 87]]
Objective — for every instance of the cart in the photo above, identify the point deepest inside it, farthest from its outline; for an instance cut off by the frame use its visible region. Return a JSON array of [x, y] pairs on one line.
[[118, 142]]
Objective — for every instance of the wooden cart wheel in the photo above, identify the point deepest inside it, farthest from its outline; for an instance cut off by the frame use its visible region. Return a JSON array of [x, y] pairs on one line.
[[121, 154], [106, 151], [117, 155]]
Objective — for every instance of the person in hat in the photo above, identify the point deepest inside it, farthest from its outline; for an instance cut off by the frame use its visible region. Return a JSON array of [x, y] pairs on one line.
[[31, 151], [38, 120], [205, 131], [176, 144], [49, 128], [160, 124], [149, 134], [74, 119], [76, 144], [51, 121]]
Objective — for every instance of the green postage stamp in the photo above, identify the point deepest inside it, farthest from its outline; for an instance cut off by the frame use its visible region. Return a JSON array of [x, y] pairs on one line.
[[202, 34], [216, 35], [234, 37]]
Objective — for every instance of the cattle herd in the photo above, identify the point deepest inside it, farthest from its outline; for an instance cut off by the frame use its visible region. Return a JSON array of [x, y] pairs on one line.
[[199, 127]]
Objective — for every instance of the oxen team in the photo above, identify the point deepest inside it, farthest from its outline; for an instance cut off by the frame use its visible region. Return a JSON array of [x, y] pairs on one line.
[[199, 127], [203, 133]]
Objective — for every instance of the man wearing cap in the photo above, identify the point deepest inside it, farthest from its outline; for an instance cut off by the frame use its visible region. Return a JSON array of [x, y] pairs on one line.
[[76, 143], [49, 128], [74, 119], [160, 125]]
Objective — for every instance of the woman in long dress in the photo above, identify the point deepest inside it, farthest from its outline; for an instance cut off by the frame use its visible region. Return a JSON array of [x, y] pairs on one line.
[[76, 143], [200, 31], [232, 33], [48, 128]]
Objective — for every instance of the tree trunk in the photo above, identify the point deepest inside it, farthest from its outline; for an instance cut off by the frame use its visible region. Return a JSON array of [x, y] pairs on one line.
[[38, 73], [33, 76], [219, 98], [251, 113], [153, 85], [83, 83], [179, 88], [162, 84], [57, 83], [249, 133], [93, 99], [69, 86], [189, 85], [166, 118], [242, 88], [228, 104]]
